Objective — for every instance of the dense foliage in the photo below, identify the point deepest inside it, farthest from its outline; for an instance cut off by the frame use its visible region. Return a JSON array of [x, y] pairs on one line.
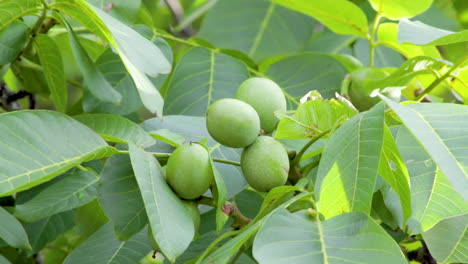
[[233, 131]]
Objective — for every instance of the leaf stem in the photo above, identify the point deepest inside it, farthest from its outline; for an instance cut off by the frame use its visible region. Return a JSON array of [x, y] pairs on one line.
[[167, 155], [371, 38], [216, 242], [437, 81], [298, 157]]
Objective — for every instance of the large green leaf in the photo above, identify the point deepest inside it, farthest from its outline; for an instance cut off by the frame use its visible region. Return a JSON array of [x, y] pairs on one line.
[[260, 28], [116, 74], [42, 232], [448, 240], [31, 154], [422, 34], [194, 129], [75, 189], [10, 10], [3, 260], [396, 9], [54, 72], [138, 54], [12, 40], [12, 232], [447, 147], [94, 80], [171, 224], [384, 57], [120, 197], [341, 16], [223, 254], [432, 197], [201, 77], [301, 73], [219, 194], [393, 170], [118, 129], [103, 248], [313, 117], [348, 168], [348, 238]]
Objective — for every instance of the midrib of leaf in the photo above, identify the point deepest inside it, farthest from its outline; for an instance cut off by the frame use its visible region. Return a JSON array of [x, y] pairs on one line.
[[357, 165], [133, 218], [434, 182], [115, 253], [210, 83], [51, 165], [322, 241], [262, 28], [455, 246], [23, 13]]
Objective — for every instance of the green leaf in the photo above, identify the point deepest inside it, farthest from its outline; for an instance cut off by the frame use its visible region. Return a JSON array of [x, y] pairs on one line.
[[54, 72], [448, 240], [393, 170], [31, 154], [260, 28], [301, 73], [388, 36], [171, 223], [110, 65], [340, 16], [421, 34], [14, 9], [146, 58], [201, 77], [103, 248], [120, 197], [166, 136], [447, 148], [224, 253], [194, 129], [348, 168], [12, 232], [12, 40], [123, 10], [432, 196], [117, 129], [46, 230], [3, 260], [396, 9], [94, 80], [74, 190], [312, 117], [384, 57], [219, 194], [347, 238]]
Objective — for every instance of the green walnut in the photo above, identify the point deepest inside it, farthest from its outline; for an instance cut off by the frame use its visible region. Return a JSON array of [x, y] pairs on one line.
[[188, 171], [265, 164], [233, 123], [359, 89], [266, 97]]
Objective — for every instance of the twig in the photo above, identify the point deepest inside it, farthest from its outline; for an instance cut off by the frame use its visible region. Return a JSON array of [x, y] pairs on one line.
[[178, 11]]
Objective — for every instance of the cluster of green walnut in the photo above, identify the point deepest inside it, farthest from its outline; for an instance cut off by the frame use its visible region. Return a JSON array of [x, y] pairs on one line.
[[242, 122]]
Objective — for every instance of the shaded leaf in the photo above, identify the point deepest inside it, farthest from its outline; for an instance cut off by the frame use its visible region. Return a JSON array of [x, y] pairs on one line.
[[348, 168], [260, 28], [11, 231], [422, 34], [123, 10], [32, 155], [76, 189], [54, 72], [12, 40], [103, 248], [120, 197]]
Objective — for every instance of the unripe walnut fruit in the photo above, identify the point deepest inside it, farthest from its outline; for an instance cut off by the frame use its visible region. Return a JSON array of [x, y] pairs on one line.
[[188, 171], [265, 164], [266, 97], [233, 123]]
